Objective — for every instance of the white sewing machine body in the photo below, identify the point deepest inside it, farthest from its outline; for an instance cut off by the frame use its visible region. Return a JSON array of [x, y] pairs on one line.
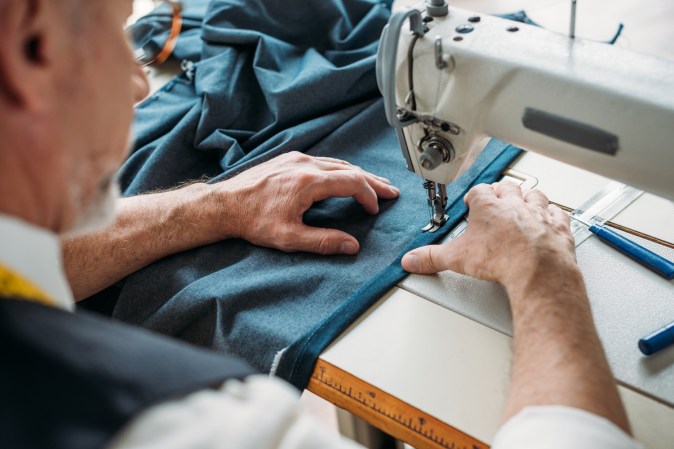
[[590, 104]]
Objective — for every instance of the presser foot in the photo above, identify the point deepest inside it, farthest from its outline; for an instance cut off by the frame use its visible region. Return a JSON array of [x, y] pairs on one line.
[[437, 203], [435, 223]]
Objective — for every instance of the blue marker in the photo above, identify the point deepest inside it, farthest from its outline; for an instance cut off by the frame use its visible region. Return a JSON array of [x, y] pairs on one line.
[[644, 256], [657, 340]]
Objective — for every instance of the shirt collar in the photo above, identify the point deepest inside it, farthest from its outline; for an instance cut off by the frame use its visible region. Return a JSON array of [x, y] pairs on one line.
[[35, 254]]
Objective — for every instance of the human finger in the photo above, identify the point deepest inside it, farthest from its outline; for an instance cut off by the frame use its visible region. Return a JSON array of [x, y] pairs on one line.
[[345, 184], [434, 258], [330, 163], [381, 185], [320, 241], [478, 191], [360, 185], [507, 189], [333, 160], [537, 197], [383, 189]]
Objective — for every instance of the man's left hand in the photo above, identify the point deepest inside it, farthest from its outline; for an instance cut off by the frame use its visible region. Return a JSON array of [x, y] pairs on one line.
[[267, 202]]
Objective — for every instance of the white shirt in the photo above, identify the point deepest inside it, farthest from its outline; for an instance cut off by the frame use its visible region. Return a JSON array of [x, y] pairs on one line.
[[36, 255], [558, 427], [264, 412]]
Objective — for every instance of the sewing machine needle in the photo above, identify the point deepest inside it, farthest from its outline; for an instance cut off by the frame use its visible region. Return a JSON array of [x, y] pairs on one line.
[[572, 25]]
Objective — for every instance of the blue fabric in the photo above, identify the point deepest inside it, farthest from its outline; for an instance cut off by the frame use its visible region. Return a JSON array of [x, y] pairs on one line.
[[298, 360], [518, 16], [271, 78]]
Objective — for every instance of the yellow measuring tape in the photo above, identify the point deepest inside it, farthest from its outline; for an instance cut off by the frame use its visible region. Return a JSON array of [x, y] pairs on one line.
[[13, 285]]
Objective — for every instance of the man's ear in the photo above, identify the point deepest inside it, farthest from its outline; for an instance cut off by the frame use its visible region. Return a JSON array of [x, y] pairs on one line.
[[27, 50]]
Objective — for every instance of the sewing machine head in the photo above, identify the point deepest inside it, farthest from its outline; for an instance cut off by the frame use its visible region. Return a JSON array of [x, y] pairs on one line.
[[457, 77]]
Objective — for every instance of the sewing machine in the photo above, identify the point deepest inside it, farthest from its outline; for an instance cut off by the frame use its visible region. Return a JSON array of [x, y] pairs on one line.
[[429, 363], [457, 77]]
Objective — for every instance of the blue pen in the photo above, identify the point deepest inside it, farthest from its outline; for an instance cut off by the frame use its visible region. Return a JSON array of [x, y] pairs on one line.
[[644, 256], [658, 340]]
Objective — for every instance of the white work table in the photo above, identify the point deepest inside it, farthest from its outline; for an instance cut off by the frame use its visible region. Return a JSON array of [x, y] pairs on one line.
[[434, 354], [442, 344]]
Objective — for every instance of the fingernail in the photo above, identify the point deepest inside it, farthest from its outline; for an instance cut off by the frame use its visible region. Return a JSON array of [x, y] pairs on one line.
[[394, 189], [349, 248], [385, 180], [411, 263]]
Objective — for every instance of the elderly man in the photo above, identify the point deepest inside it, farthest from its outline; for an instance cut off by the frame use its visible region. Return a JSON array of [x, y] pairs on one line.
[[78, 381]]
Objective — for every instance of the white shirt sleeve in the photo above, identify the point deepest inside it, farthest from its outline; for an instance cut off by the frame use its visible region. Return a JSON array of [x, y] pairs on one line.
[[559, 427], [260, 413]]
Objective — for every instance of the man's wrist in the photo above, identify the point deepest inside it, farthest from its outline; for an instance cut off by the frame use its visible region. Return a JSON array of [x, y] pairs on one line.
[[545, 280], [213, 205]]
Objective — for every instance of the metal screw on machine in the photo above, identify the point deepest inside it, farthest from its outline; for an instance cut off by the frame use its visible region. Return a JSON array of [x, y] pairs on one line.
[[435, 151], [437, 8], [464, 28], [430, 159]]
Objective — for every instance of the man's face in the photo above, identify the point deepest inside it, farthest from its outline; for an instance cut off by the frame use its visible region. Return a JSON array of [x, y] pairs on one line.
[[99, 101]]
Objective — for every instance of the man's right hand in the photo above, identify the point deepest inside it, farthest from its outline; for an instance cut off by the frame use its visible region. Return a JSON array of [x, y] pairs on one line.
[[516, 238], [505, 223]]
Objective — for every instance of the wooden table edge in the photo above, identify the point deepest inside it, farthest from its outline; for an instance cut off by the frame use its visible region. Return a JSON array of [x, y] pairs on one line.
[[386, 412]]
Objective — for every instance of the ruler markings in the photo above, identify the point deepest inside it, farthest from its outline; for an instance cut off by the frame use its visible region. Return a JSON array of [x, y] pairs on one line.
[[386, 412]]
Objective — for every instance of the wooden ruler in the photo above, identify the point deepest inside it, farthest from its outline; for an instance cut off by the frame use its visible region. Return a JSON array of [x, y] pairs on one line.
[[391, 415]]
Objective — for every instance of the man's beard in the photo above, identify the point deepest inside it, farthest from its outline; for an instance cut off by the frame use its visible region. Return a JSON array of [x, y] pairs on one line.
[[101, 212]]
